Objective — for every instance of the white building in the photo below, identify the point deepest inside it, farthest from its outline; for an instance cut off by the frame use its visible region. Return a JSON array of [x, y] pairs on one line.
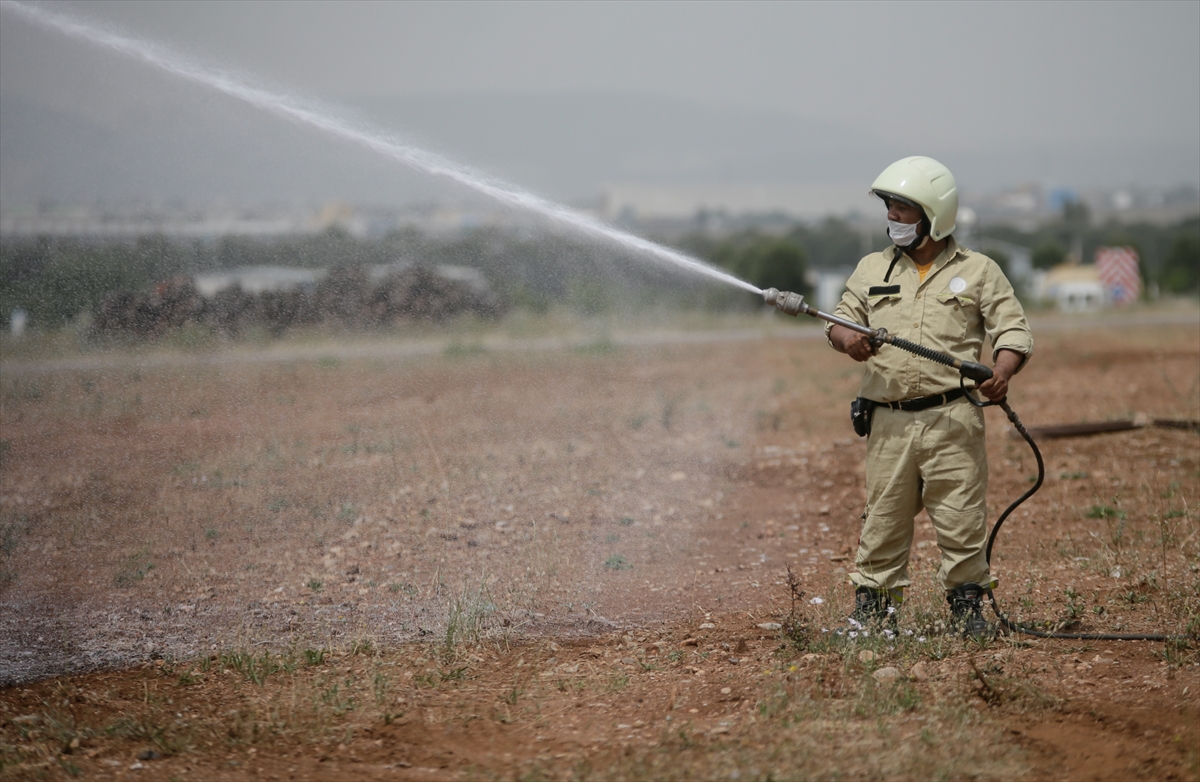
[[257, 279], [1072, 287]]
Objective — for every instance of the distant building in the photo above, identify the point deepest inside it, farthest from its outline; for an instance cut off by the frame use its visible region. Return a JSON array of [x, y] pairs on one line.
[[828, 285], [17, 320], [1071, 287], [257, 279]]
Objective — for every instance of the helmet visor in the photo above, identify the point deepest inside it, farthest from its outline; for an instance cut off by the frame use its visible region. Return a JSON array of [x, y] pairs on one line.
[[886, 197]]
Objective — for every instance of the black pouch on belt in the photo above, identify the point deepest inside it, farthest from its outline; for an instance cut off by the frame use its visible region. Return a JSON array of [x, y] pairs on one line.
[[861, 410]]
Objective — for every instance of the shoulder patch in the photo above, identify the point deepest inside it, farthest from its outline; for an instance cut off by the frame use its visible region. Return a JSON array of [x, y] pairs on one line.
[[883, 290]]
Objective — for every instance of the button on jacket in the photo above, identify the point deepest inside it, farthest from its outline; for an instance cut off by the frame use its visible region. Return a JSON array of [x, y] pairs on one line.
[[963, 298]]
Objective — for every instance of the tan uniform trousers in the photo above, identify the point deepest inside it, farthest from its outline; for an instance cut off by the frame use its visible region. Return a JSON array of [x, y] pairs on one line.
[[934, 459]]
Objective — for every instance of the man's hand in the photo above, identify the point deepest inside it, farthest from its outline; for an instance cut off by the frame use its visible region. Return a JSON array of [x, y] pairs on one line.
[[856, 346], [1007, 363]]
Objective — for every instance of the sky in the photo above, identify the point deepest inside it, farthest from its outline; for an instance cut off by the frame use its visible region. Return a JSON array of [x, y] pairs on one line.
[[1077, 93]]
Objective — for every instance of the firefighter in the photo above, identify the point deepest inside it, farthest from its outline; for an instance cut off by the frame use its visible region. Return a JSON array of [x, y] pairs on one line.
[[925, 446]]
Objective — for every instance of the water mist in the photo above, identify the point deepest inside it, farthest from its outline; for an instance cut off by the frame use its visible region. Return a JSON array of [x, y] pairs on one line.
[[308, 113]]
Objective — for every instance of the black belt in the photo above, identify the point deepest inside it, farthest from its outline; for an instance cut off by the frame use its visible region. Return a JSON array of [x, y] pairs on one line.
[[924, 402]]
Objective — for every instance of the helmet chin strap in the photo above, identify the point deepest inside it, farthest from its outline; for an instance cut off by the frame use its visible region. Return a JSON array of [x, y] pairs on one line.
[[915, 244]]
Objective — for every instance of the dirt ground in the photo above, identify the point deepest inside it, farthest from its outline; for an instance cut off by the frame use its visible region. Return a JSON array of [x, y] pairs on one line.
[[488, 561]]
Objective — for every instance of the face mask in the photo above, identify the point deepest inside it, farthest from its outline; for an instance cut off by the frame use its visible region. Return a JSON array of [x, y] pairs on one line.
[[903, 234]]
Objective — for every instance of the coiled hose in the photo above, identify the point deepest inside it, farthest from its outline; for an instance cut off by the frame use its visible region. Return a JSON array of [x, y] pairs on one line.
[[793, 304], [1010, 625]]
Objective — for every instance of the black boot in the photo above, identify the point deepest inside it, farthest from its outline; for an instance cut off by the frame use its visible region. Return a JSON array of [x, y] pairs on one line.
[[870, 606], [966, 610]]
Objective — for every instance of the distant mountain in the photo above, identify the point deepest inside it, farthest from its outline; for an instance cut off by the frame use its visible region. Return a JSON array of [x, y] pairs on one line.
[[197, 153], [191, 145], [570, 144], [564, 146]]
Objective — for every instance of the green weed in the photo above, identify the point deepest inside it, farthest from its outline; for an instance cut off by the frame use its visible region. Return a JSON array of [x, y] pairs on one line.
[[467, 618], [617, 683], [1075, 606], [380, 686], [133, 568], [256, 668], [617, 562]]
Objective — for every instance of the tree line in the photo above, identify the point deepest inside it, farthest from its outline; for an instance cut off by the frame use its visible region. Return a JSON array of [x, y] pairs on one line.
[[1170, 255], [56, 279]]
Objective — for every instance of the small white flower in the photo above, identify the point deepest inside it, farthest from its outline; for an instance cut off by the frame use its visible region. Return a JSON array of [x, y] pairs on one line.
[[824, 629], [865, 634], [908, 632], [891, 610], [817, 601], [921, 638], [854, 622], [853, 634], [889, 633]]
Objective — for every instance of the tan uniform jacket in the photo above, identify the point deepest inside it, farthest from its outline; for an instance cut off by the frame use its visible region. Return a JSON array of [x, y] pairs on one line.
[[963, 297]]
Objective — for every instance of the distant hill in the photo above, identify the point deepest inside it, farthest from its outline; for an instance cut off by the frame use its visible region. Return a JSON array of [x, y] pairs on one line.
[[199, 147], [565, 146], [571, 144]]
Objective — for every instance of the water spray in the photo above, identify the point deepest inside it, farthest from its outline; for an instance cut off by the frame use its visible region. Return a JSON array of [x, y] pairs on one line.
[[793, 304], [310, 114], [326, 120]]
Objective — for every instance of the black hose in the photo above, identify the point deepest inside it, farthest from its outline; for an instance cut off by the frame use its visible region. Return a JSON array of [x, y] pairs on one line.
[[979, 373], [920, 350], [1010, 625]]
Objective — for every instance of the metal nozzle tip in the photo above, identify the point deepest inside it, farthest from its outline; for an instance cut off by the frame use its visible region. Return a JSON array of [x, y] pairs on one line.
[[770, 296]]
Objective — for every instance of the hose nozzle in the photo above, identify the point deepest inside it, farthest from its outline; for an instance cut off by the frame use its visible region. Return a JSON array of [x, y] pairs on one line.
[[786, 302]]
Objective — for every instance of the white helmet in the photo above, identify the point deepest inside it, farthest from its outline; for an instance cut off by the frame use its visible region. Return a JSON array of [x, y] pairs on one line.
[[923, 182]]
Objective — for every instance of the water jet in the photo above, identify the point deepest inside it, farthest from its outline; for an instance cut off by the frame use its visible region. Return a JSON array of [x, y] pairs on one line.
[[328, 121]]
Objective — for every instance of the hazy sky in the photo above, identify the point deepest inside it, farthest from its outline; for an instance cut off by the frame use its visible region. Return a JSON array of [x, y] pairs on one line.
[[946, 72], [1119, 79]]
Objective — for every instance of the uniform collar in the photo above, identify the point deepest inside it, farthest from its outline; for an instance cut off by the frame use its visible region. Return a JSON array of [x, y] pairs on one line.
[[948, 253], [951, 251]]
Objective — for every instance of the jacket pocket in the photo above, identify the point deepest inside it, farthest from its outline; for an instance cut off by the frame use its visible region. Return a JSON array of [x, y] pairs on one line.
[[956, 299], [884, 310], [883, 300], [957, 311]]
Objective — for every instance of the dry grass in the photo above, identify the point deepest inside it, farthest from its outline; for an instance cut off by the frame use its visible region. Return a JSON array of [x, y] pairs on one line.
[[332, 550]]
